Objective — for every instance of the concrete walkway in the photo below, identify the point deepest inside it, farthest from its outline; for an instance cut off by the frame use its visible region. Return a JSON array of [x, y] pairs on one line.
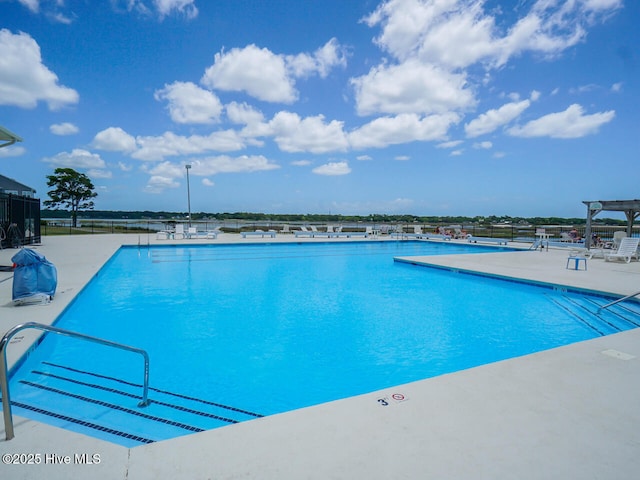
[[570, 412]]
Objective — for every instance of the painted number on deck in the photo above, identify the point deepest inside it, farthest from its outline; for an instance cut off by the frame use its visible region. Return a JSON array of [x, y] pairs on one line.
[[394, 398]]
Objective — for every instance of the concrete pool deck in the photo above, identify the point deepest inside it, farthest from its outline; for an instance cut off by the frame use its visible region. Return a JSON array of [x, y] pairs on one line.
[[569, 412]]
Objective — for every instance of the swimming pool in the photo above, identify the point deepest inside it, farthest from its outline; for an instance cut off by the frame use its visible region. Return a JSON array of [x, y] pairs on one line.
[[237, 332]]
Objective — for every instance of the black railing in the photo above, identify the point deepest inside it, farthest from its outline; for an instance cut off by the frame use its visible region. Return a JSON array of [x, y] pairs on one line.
[[19, 220]]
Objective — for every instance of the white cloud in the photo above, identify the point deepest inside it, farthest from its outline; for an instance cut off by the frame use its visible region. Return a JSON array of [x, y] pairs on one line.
[[616, 87], [403, 23], [268, 76], [114, 139], [25, 79], [256, 71], [154, 148], [583, 89], [459, 33], [571, 123], [310, 134], [252, 119], [333, 169], [12, 151], [404, 128], [435, 47], [77, 159], [159, 8], [301, 163], [184, 7], [166, 169], [364, 158], [243, 114], [60, 17], [189, 103], [158, 184], [449, 144], [483, 145], [290, 132], [402, 158], [226, 164], [411, 87], [56, 10], [494, 118], [320, 62], [33, 5], [458, 38], [97, 173], [166, 174], [65, 128]]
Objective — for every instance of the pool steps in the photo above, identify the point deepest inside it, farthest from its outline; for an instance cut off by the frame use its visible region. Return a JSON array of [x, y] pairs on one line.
[[112, 406], [616, 318]]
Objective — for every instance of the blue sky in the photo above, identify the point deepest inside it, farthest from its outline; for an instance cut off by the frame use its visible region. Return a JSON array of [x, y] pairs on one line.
[[424, 107]]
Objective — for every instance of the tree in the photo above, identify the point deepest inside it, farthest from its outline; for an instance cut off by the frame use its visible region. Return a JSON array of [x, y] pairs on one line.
[[72, 190]]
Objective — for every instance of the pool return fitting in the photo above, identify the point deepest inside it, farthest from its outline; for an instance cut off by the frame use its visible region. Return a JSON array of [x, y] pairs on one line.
[[4, 375]]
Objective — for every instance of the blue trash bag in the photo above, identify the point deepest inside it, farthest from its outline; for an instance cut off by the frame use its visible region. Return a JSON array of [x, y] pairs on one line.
[[34, 277]]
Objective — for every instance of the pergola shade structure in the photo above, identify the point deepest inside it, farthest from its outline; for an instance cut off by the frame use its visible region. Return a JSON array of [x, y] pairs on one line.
[[8, 138], [631, 209]]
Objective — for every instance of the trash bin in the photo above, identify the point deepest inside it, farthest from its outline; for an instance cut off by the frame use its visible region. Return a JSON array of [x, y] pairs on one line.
[[34, 278]]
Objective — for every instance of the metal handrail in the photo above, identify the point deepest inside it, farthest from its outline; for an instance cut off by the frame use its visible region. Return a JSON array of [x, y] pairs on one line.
[[618, 301], [4, 375]]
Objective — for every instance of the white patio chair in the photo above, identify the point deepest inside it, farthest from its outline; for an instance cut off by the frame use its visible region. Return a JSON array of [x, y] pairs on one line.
[[628, 249]]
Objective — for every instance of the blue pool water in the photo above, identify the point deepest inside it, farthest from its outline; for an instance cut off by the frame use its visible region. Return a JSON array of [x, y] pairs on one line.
[[236, 332]]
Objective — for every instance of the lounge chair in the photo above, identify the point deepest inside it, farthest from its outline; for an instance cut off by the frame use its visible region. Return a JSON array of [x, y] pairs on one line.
[[588, 252], [417, 232], [194, 234], [303, 232], [261, 233], [565, 237], [499, 241], [212, 233], [617, 238], [318, 233], [341, 233], [441, 234], [433, 236], [164, 235], [458, 233], [628, 248], [311, 231]]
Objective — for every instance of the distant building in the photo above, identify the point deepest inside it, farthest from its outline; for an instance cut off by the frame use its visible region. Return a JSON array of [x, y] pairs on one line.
[[19, 214]]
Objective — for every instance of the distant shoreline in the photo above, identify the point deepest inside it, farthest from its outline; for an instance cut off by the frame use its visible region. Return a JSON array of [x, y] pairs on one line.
[[163, 216]]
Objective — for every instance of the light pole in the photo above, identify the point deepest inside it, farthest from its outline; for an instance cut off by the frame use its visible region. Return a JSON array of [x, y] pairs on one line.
[[188, 166]]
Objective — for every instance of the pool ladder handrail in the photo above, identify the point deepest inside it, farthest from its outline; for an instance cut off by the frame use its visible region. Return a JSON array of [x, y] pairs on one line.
[[618, 301], [4, 375]]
